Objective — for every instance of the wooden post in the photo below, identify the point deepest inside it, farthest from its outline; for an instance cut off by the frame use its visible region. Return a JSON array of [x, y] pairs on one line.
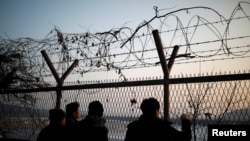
[[166, 68], [52, 69], [172, 58], [161, 54], [58, 95], [69, 70], [58, 79]]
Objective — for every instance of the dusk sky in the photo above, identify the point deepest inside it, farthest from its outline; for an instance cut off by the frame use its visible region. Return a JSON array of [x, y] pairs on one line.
[[35, 18]]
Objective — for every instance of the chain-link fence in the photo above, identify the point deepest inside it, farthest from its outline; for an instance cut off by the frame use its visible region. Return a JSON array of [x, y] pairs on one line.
[[217, 99]]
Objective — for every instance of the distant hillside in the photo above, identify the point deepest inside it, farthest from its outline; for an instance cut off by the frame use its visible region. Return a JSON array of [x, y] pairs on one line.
[[20, 111]]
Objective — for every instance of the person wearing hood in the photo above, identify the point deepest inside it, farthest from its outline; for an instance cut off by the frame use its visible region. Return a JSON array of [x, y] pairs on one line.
[[92, 127]]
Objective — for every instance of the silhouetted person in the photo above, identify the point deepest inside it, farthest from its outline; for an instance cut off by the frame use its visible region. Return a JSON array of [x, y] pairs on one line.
[[72, 117], [92, 127], [149, 127], [56, 128], [72, 114]]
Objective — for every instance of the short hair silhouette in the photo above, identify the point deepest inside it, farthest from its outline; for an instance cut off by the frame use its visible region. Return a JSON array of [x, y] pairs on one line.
[[56, 115], [71, 108], [95, 108], [149, 106]]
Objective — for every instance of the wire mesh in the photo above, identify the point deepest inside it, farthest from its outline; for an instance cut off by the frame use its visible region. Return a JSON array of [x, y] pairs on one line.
[[220, 102]]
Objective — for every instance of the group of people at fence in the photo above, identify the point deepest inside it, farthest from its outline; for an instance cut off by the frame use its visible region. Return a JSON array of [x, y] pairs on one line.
[[67, 126]]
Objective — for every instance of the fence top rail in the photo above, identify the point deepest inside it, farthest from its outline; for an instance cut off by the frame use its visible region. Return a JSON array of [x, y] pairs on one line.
[[186, 80]]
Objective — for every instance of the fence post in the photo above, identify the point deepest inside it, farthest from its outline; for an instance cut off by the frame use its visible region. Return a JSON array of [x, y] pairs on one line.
[[58, 95], [52, 69], [58, 79], [166, 68]]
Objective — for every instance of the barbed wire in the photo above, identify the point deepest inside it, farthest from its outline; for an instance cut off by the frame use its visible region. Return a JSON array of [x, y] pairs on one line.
[[239, 51], [125, 48]]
